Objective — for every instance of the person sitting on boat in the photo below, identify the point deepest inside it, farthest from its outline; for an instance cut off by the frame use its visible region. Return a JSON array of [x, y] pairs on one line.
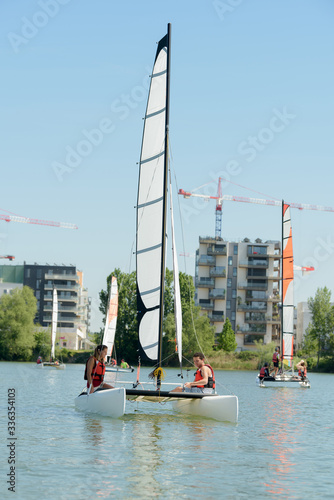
[[113, 362], [204, 377], [301, 367], [264, 372], [95, 369], [39, 360], [124, 364], [276, 358]]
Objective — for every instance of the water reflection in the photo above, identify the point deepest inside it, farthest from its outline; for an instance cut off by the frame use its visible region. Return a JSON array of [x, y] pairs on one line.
[[281, 427]]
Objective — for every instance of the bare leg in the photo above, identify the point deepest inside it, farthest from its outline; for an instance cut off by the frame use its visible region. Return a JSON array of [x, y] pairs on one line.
[[177, 389]]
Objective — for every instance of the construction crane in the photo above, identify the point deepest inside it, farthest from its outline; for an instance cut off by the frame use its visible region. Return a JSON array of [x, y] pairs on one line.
[[242, 199], [9, 257], [28, 220]]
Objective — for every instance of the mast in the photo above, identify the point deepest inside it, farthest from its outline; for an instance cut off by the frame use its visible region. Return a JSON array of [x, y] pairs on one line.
[[164, 230], [287, 287], [282, 287]]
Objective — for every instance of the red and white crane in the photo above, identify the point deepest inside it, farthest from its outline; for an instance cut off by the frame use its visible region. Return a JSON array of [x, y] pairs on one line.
[[27, 220], [9, 257], [243, 199]]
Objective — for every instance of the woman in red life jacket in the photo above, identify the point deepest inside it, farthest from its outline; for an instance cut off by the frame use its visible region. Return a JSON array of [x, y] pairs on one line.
[[301, 367], [264, 372], [95, 369], [204, 377]]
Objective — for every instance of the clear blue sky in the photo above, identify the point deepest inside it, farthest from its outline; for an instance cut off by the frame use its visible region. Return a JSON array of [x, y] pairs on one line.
[[252, 82]]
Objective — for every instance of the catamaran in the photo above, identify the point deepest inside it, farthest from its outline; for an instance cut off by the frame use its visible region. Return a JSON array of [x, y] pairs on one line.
[[286, 377], [150, 265], [54, 363]]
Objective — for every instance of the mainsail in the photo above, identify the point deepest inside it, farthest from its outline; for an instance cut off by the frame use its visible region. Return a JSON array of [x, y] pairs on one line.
[[111, 318], [151, 207], [287, 287], [54, 322]]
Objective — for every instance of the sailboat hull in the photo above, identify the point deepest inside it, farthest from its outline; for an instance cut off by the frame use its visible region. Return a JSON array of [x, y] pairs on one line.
[[107, 402], [284, 381], [59, 366], [222, 408]]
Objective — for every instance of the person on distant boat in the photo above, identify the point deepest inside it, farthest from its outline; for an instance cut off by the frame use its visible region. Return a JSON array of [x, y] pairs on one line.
[[204, 377], [113, 362], [276, 358], [124, 364], [95, 369], [301, 367], [39, 360], [264, 372]]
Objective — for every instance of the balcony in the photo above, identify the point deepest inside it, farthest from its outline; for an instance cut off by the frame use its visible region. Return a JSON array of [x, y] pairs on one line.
[[62, 277], [247, 307], [209, 239], [206, 260], [62, 308], [58, 286], [219, 271], [250, 339], [217, 293], [244, 285], [205, 282], [217, 316], [216, 250], [260, 264], [206, 304], [62, 298], [253, 329]]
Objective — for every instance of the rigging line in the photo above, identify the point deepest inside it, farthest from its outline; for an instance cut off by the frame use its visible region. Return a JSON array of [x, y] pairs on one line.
[[183, 246]]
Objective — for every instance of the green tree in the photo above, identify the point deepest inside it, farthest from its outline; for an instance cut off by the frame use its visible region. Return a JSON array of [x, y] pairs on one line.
[[322, 323], [226, 339], [126, 337], [17, 313], [42, 343]]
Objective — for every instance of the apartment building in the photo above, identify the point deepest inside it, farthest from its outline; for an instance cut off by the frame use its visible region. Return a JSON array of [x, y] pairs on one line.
[[240, 281]]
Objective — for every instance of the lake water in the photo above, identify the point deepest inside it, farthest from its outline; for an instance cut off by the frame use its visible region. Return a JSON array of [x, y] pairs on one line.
[[282, 446]]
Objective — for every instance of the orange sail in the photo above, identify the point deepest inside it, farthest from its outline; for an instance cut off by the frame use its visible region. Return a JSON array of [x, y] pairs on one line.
[[287, 287]]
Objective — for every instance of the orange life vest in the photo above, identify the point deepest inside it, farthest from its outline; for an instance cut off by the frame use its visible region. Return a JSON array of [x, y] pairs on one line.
[[98, 372], [302, 373], [211, 380]]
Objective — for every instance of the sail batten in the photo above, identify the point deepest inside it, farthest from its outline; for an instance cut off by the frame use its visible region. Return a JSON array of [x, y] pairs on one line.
[[151, 208]]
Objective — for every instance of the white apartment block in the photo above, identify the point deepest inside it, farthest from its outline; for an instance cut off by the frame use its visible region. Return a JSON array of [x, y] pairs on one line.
[[240, 281]]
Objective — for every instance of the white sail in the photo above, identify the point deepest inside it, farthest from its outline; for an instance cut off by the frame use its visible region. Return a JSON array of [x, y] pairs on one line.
[[151, 209], [287, 288], [54, 322], [177, 294], [111, 318]]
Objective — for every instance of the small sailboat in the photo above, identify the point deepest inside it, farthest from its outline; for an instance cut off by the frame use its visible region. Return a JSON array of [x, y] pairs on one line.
[[54, 363], [287, 377], [110, 330]]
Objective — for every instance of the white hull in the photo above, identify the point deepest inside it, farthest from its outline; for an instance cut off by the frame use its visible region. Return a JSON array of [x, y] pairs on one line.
[[107, 402], [60, 366], [285, 381], [117, 369], [222, 408]]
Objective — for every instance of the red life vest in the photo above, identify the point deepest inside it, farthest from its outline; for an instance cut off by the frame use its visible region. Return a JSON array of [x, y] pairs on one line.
[[264, 371], [302, 373], [211, 380], [98, 372], [275, 357]]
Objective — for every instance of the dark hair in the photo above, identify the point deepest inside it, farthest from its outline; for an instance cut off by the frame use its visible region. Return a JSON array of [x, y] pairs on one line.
[[265, 364], [98, 350], [198, 355]]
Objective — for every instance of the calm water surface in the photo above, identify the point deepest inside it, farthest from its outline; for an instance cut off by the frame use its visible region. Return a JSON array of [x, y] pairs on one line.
[[282, 446]]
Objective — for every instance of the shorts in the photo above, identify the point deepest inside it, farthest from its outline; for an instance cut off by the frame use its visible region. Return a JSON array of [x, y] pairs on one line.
[[205, 390], [276, 364]]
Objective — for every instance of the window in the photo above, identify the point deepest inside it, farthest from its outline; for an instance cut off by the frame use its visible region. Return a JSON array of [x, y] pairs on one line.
[[27, 273], [234, 294], [230, 261], [229, 282], [39, 273], [233, 316], [38, 283], [235, 250], [228, 304], [38, 294], [235, 271]]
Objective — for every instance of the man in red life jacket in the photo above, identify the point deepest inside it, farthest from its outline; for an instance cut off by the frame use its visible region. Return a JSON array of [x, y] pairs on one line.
[[301, 367], [204, 377], [276, 358], [264, 372]]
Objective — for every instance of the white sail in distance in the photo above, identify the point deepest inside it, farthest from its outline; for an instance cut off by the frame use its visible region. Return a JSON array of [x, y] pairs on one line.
[[287, 287], [151, 209], [177, 294], [111, 317], [54, 322]]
